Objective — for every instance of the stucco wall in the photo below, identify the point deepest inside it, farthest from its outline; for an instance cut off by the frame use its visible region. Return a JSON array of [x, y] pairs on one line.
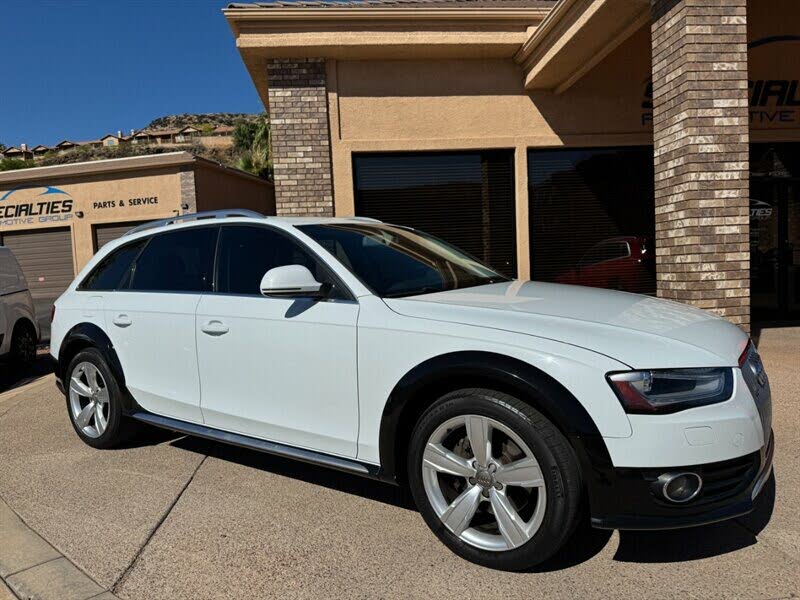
[[218, 189], [396, 105]]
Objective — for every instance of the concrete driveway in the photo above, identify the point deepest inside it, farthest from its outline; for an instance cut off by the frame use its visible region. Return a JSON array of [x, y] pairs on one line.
[[175, 517]]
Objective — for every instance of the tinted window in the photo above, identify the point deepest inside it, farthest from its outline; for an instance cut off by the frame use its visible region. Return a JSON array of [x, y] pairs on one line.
[[247, 253], [583, 203], [109, 273], [395, 261], [605, 251], [463, 198], [180, 261]]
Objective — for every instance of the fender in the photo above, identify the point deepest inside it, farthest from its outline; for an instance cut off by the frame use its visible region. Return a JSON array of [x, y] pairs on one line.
[[84, 335], [424, 383]]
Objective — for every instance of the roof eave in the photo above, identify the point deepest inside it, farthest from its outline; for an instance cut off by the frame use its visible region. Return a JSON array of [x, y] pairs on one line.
[[575, 37]]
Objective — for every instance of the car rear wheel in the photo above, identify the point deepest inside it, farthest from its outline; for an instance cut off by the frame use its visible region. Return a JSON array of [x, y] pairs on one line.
[[95, 401], [494, 479]]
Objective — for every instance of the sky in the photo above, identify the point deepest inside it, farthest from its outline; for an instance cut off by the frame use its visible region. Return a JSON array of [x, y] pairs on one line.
[[78, 69]]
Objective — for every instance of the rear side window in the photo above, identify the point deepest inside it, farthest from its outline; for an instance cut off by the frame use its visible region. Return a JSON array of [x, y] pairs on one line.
[[179, 261], [109, 273], [247, 253]]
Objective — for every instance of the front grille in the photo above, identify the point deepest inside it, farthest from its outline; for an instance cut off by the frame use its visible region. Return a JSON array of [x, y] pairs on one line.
[[727, 478]]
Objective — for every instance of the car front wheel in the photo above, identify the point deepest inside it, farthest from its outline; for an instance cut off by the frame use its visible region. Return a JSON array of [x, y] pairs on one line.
[[494, 479]]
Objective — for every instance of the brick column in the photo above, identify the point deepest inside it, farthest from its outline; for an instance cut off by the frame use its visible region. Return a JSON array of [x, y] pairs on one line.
[[700, 130], [188, 192], [301, 151]]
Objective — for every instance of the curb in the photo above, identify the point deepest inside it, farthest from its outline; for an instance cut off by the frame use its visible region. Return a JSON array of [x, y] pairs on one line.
[[31, 569]]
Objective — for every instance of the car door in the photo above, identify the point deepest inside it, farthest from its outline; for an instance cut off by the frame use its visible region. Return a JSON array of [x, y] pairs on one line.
[[277, 368], [151, 320]]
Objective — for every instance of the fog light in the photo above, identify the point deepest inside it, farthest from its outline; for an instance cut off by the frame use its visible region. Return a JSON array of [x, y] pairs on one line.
[[679, 487]]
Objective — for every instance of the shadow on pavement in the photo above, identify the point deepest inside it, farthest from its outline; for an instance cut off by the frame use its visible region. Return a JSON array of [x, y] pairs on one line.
[[329, 478], [634, 546], [13, 376], [683, 545]]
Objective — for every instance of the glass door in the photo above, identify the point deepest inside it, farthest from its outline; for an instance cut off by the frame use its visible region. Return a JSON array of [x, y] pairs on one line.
[[775, 249]]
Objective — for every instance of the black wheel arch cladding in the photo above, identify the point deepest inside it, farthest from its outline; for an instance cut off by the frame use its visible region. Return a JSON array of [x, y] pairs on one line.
[[444, 373], [89, 335]]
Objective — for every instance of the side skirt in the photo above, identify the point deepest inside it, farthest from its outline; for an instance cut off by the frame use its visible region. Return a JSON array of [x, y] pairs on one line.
[[301, 454]]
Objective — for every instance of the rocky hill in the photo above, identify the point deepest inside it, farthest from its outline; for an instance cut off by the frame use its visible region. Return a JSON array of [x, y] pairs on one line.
[[198, 120]]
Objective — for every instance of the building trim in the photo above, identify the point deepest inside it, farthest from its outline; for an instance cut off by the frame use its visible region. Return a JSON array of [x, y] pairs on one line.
[[575, 37], [116, 165]]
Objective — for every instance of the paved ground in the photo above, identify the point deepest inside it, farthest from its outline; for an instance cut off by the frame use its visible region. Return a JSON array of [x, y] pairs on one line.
[[176, 517]]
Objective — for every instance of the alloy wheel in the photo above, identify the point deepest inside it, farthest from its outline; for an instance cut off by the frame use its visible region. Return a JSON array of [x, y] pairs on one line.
[[89, 400], [484, 483]]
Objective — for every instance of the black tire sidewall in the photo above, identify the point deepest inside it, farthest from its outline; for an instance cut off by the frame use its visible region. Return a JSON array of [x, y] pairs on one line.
[[551, 450], [112, 434], [19, 353]]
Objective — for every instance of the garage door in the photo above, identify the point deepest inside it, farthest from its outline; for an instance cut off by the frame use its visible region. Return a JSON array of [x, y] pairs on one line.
[[108, 233], [465, 198], [46, 259]]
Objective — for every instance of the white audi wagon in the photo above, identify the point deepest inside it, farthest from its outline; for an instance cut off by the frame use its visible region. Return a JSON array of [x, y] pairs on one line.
[[510, 409]]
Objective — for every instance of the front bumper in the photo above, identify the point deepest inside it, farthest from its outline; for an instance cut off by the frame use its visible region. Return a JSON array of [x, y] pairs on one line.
[[622, 498]]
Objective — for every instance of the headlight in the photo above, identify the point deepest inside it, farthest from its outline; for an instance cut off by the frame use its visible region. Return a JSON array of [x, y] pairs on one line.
[[671, 390]]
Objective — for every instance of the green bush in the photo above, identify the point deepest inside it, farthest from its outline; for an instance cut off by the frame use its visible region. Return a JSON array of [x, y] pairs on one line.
[[12, 164]]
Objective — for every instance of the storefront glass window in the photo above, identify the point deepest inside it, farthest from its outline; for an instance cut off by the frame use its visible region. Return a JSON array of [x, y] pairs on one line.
[[592, 217], [464, 198]]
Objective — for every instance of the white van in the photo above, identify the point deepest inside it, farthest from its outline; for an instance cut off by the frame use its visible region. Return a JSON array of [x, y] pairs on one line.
[[19, 332]]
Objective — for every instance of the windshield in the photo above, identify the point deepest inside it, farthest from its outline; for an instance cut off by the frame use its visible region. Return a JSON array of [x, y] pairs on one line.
[[395, 261]]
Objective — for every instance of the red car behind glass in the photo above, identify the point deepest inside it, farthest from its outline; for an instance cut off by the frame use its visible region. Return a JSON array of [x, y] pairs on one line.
[[620, 263]]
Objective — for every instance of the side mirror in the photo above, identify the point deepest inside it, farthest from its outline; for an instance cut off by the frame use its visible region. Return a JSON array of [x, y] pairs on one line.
[[291, 280]]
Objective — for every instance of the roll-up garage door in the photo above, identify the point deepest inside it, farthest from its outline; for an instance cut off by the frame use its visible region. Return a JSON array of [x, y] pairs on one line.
[[465, 198], [46, 260], [104, 234]]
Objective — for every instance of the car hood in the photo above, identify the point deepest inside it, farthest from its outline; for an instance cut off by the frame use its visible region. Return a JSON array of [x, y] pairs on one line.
[[640, 331]]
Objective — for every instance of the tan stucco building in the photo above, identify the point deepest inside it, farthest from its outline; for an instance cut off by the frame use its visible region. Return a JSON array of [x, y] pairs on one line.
[[55, 218], [557, 140]]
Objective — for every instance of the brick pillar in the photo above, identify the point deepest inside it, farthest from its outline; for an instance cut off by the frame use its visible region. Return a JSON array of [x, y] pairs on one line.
[[700, 130], [188, 192], [301, 150]]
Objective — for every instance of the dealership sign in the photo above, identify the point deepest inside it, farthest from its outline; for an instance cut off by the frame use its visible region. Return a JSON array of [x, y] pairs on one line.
[[31, 204]]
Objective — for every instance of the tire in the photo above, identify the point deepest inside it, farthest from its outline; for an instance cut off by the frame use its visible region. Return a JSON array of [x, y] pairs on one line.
[[101, 430], [544, 511], [23, 344]]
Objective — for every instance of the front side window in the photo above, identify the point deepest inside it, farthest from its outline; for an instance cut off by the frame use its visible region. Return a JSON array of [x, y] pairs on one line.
[[395, 261], [109, 273], [179, 261], [246, 253]]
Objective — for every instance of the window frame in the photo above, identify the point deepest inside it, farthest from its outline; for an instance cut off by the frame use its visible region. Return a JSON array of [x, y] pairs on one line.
[[347, 294], [124, 285]]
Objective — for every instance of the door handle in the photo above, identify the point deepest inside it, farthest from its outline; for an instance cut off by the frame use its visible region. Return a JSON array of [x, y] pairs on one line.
[[214, 328], [122, 321]]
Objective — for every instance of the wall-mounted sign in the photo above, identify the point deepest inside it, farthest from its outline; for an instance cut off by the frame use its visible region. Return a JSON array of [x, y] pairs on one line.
[[107, 204], [29, 204]]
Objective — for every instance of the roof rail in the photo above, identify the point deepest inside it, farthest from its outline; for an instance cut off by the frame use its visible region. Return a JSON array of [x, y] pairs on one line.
[[210, 214], [367, 219]]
